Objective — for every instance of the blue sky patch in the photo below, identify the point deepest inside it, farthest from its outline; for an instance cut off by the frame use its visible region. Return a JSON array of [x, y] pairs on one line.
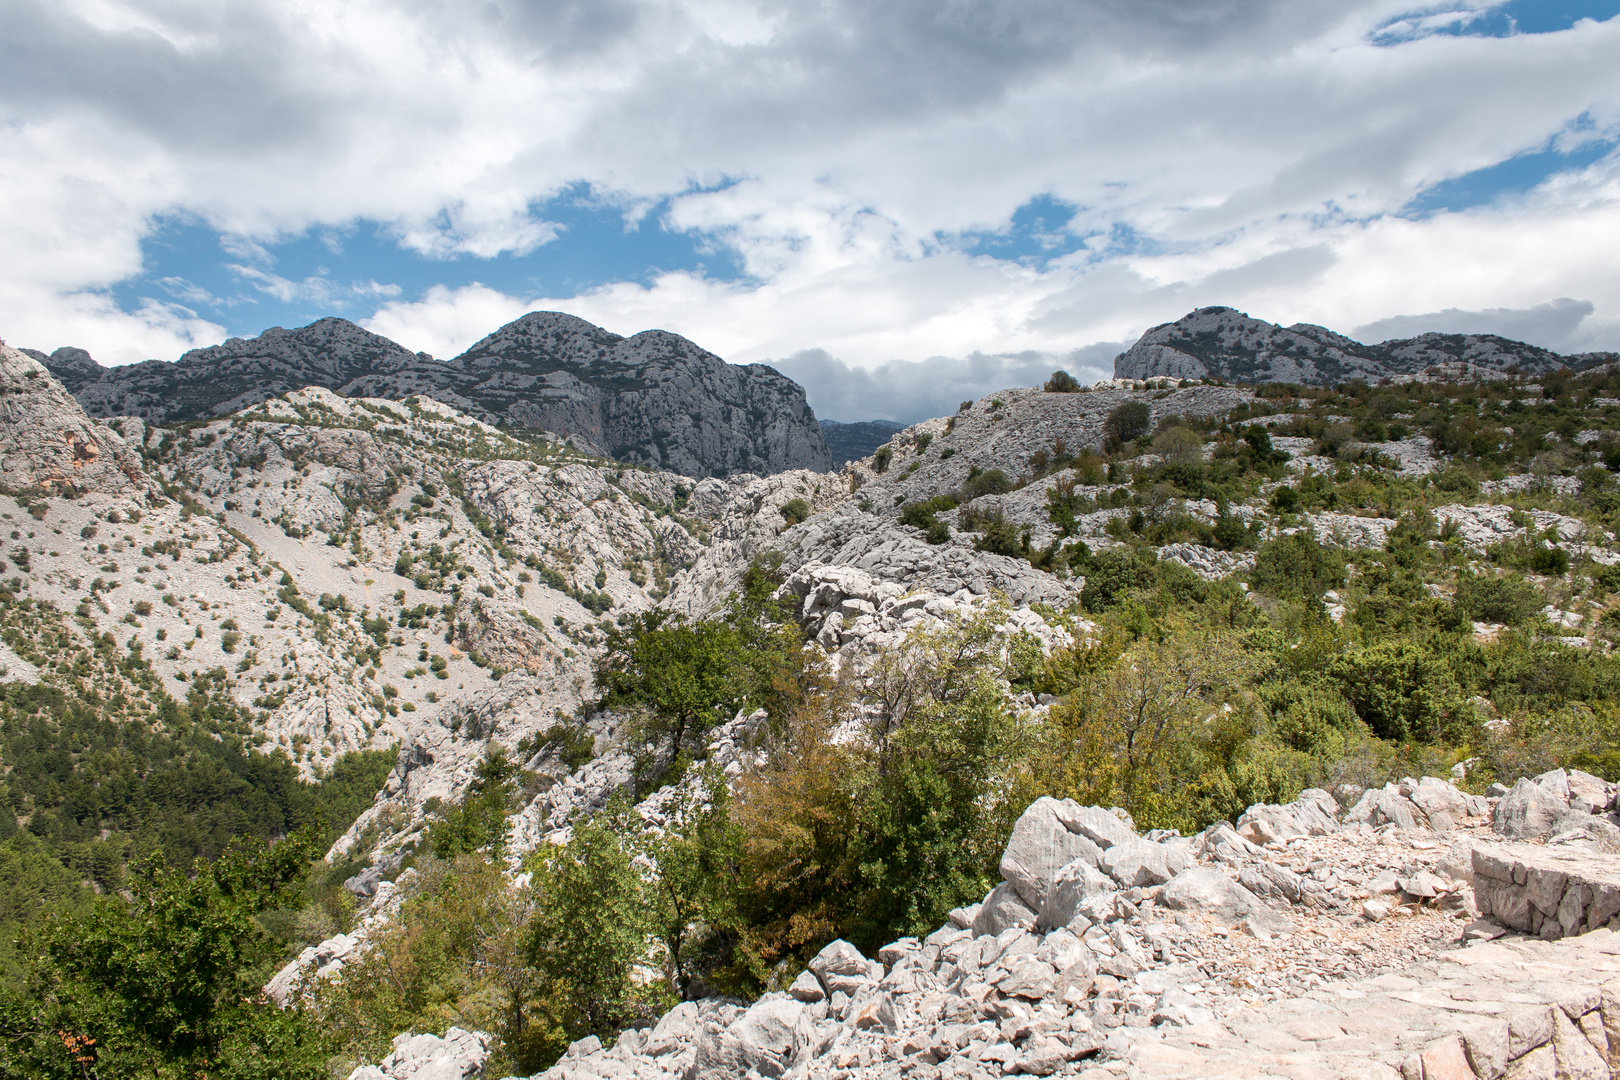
[[1037, 234], [349, 271], [1511, 177], [1495, 20]]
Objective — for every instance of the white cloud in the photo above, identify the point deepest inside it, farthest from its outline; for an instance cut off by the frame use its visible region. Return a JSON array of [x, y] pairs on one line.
[[1549, 325], [1259, 148]]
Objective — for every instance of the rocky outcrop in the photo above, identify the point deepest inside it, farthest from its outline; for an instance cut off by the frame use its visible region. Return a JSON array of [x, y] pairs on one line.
[[1239, 956], [460, 1055], [654, 398], [47, 442], [1551, 892], [1222, 343]]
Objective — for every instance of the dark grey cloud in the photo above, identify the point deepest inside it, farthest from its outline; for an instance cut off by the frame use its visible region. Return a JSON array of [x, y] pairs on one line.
[[909, 391], [1551, 325], [235, 86]]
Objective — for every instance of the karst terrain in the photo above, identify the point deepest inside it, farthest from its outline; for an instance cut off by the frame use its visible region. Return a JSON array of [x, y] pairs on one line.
[[1217, 719]]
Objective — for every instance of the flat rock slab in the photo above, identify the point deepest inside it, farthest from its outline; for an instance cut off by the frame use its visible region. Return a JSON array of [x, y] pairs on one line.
[[1508, 1007], [1551, 892]]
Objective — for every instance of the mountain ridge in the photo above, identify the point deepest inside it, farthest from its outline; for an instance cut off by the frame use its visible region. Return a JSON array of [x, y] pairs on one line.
[[1224, 343], [654, 398]]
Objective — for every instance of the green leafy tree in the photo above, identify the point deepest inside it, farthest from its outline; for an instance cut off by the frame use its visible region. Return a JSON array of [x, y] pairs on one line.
[[693, 897], [1062, 382], [166, 983], [591, 929], [1128, 420], [684, 672], [478, 823]]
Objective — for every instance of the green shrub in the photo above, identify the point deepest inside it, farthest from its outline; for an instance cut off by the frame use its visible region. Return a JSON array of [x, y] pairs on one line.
[[993, 482], [1399, 689], [794, 511], [1062, 382], [1285, 500], [1455, 481], [1553, 561], [881, 459], [1309, 717], [1297, 565], [1000, 536], [1128, 420], [1509, 599], [1114, 573]]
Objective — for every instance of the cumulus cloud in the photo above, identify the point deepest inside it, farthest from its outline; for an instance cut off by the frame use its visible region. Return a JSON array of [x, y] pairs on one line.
[[1252, 152]]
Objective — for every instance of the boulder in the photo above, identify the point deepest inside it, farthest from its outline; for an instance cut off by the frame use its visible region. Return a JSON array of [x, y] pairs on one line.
[[1529, 810], [1386, 806], [1041, 844], [1223, 843], [1071, 888], [1143, 863], [840, 966], [458, 1055], [768, 1036], [1002, 910], [1027, 977], [1206, 891], [1312, 814], [806, 988], [1104, 828]]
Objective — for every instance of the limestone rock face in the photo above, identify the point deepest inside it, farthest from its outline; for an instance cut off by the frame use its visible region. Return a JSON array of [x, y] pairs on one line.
[[654, 399], [1219, 342], [1529, 810], [46, 440], [460, 1055]]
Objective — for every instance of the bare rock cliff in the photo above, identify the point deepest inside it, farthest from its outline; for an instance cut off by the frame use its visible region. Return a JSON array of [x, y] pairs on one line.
[[46, 440], [652, 399]]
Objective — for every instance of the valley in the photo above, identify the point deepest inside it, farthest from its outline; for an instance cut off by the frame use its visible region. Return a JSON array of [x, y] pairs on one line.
[[572, 749]]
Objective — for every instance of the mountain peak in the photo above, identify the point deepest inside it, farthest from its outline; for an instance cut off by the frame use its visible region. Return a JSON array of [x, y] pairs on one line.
[[654, 399], [1224, 343]]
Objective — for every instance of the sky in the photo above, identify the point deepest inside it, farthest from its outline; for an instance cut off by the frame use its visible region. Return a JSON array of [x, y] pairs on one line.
[[902, 205]]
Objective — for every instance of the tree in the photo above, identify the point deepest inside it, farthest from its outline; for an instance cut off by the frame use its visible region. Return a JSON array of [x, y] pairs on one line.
[[1128, 420], [693, 898], [478, 823], [1062, 382], [684, 673], [166, 983], [1141, 724], [591, 928], [1179, 445]]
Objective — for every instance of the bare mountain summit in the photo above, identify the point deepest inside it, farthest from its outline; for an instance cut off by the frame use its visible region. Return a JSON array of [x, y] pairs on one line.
[[652, 399], [1223, 343]]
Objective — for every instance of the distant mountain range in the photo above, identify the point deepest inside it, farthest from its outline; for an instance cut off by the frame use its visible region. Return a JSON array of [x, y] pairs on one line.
[[853, 441], [1223, 343], [652, 399]]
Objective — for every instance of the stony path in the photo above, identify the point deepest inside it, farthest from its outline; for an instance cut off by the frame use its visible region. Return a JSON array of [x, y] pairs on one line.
[[1519, 1007]]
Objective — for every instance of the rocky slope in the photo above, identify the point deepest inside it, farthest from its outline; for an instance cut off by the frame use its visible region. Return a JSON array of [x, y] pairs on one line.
[[1223, 343], [654, 399], [370, 572], [1340, 942], [47, 443], [366, 572]]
